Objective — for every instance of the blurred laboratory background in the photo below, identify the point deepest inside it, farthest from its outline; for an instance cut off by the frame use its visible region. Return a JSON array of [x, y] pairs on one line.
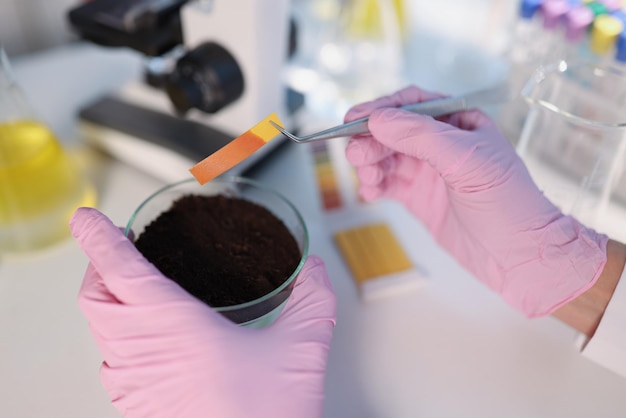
[[28, 26], [343, 52]]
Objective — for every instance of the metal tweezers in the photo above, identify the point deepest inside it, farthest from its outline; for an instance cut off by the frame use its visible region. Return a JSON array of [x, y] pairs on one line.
[[434, 108]]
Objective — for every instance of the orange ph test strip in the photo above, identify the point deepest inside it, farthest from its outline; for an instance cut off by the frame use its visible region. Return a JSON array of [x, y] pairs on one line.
[[236, 150]]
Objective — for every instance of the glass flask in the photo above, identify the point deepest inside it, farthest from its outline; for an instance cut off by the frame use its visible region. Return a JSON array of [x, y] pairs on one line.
[[40, 183]]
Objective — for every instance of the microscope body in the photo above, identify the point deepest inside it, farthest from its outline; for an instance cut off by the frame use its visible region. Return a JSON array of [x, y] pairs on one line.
[[224, 71], [255, 34]]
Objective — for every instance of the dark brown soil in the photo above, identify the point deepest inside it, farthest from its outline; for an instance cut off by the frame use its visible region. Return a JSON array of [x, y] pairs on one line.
[[222, 250]]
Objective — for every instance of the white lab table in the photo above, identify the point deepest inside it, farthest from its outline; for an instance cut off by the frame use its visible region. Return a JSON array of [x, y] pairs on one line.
[[449, 349]]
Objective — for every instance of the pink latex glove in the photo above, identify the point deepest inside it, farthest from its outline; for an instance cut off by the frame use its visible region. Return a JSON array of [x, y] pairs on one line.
[[466, 183], [166, 354]]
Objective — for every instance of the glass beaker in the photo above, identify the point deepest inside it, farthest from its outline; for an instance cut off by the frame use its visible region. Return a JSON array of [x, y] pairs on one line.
[[257, 313], [573, 140], [40, 184]]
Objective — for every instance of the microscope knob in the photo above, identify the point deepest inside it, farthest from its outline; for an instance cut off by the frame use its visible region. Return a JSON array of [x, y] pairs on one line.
[[207, 78]]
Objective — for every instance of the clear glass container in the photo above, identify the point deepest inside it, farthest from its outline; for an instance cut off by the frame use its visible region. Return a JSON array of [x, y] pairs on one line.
[[40, 183], [354, 52], [260, 312], [573, 140]]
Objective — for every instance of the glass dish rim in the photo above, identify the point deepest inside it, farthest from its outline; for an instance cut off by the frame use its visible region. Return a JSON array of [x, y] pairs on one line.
[[259, 186]]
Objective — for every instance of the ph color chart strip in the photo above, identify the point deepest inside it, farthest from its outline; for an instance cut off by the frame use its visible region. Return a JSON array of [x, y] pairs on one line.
[[372, 251], [377, 261], [374, 257], [326, 176]]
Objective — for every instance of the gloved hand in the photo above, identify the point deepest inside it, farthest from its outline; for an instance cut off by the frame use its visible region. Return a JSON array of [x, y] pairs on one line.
[[466, 183], [168, 355]]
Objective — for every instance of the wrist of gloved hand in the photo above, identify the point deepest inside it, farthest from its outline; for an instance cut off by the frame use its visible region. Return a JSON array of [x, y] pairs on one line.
[[562, 261]]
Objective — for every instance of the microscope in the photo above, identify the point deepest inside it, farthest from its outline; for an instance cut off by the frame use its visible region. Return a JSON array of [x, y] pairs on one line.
[[213, 69]]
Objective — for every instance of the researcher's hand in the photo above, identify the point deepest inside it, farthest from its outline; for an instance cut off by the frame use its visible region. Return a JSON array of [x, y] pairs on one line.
[[168, 355], [462, 178]]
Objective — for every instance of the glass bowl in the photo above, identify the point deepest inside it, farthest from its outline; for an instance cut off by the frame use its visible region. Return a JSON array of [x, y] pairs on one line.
[[264, 310]]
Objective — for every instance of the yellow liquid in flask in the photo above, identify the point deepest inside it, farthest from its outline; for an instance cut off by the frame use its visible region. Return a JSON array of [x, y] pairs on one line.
[[40, 187]]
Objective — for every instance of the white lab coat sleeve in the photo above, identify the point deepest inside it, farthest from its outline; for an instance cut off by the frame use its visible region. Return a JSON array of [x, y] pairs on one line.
[[607, 347]]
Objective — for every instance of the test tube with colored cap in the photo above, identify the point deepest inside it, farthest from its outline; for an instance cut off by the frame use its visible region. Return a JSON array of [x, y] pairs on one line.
[[620, 54], [597, 8], [526, 32], [611, 5], [577, 22], [528, 8], [620, 47], [554, 14], [604, 33], [523, 56], [621, 15]]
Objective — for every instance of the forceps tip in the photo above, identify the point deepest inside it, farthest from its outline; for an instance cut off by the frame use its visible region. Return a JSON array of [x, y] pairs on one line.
[[284, 132]]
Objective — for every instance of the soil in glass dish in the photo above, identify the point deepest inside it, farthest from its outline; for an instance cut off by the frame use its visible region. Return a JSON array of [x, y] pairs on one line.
[[223, 250]]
